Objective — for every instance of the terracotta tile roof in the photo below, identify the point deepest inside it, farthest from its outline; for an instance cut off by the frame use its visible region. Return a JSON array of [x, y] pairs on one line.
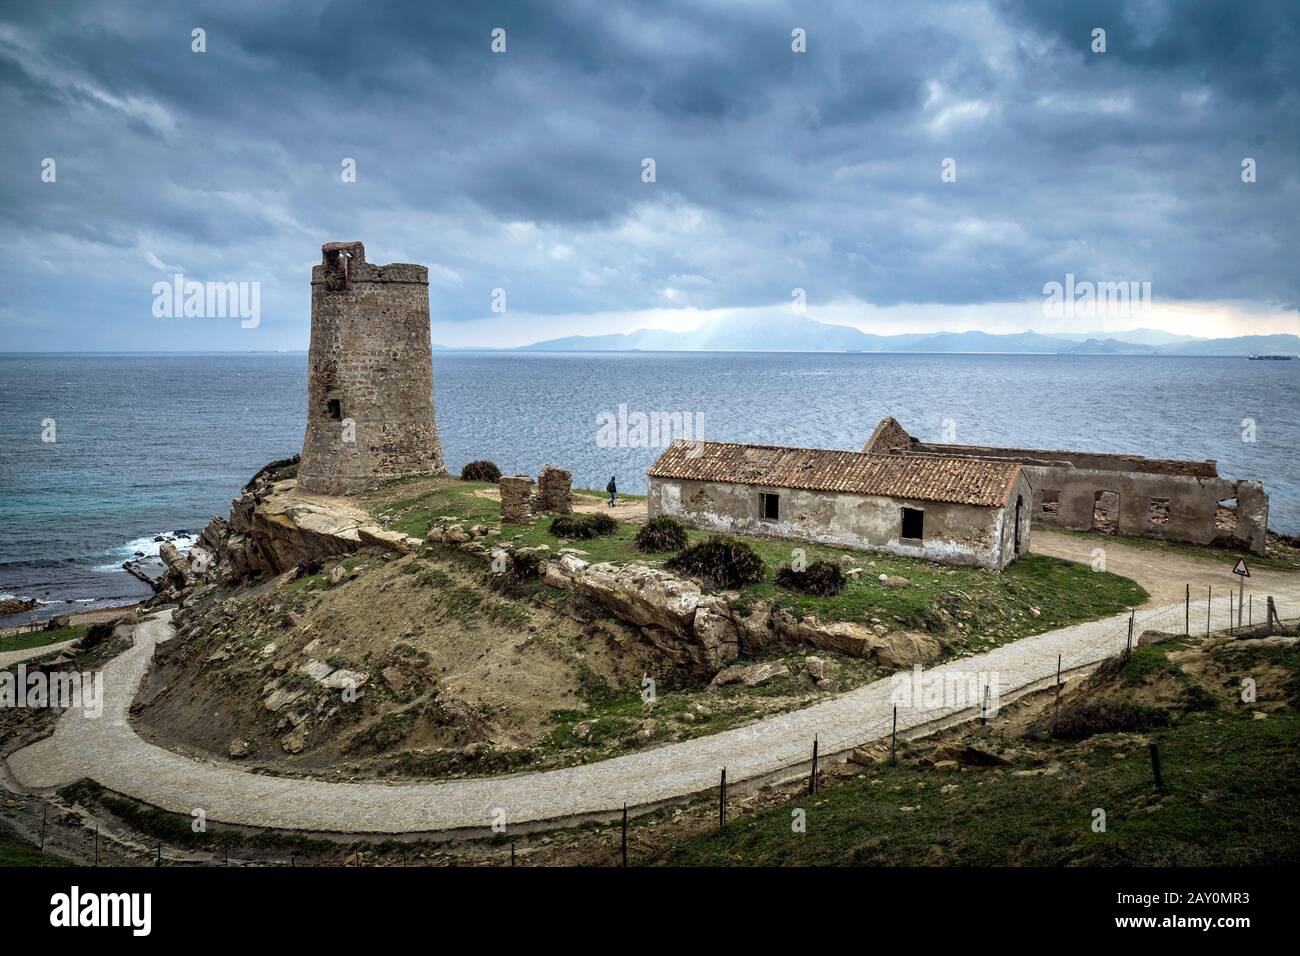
[[887, 436], [969, 481]]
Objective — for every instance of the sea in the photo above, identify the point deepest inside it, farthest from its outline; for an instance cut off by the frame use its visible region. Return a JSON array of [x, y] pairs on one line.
[[104, 456]]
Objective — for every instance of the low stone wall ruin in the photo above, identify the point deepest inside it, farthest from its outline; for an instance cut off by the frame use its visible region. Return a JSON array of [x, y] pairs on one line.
[[516, 499], [554, 491], [520, 504]]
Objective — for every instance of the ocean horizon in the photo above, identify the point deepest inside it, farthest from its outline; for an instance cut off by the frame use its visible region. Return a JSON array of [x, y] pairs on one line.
[[149, 445]]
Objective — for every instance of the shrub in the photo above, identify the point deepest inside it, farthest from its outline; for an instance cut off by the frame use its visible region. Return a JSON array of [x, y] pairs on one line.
[[522, 568], [524, 565], [582, 526], [821, 578], [720, 563], [664, 533], [480, 471], [1098, 717]]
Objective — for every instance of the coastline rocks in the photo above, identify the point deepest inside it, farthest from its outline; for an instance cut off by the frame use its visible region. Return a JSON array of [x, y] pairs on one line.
[[17, 606]]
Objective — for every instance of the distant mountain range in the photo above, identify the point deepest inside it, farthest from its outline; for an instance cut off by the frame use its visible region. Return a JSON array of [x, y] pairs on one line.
[[801, 334]]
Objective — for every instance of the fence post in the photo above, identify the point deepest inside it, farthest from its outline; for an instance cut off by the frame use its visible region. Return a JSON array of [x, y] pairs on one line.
[[1155, 765], [1128, 647], [1230, 627], [984, 707], [1187, 612], [893, 739], [625, 834], [1209, 596], [812, 779], [1250, 611], [1057, 712], [1272, 613], [722, 800]]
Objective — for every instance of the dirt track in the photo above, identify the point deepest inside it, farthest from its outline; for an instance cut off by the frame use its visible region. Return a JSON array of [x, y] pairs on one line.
[[1164, 574]]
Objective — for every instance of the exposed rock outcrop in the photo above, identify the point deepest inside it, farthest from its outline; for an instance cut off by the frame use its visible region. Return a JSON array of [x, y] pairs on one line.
[[897, 650]]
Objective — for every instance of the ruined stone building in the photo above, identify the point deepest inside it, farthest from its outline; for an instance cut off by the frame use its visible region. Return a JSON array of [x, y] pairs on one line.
[[1129, 494], [370, 374], [954, 510]]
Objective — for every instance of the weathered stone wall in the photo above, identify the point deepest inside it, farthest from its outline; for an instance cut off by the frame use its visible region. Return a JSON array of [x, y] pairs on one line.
[[516, 498], [1174, 507], [1158, 497], [554, 491], [370, 413], [954, 534]]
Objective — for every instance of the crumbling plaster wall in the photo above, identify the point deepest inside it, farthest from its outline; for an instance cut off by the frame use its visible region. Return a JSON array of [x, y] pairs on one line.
[[954, 534], [1193, 488], [1193, 504]]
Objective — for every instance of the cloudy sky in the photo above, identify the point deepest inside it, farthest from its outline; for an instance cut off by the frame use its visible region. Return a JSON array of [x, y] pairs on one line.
[[774, 170]]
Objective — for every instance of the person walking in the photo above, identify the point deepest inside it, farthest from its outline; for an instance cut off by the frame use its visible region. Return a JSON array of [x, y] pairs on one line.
[[613, 491]]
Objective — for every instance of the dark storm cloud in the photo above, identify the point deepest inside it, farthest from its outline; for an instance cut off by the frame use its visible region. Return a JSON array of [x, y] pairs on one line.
[[774, 169]]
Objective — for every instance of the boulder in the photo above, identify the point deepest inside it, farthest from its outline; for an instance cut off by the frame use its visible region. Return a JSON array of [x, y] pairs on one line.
[[343, 679], [870, 755], [373, 535], [751, 675], [715, 633], [18, 606], [843, 637], [562, 572], [642, 595], [281, 697], [970, 755], [900, 650], [819, 669], [178, 566], [316, 670]]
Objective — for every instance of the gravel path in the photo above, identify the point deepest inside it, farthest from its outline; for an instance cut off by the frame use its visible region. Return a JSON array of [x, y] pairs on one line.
[[10, 658], [108, 749]]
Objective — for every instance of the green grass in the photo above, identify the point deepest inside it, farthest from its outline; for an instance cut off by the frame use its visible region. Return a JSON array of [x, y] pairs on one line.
[[993, 607], [1232, 798], [17, 853], [21, 642], [1205, 552]]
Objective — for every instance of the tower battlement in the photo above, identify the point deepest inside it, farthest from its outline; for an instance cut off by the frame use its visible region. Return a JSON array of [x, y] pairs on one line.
[[370, 413], [345, 262]]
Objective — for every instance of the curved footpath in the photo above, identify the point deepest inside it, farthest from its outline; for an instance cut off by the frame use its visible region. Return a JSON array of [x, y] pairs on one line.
[[10, 658], [108, 750]]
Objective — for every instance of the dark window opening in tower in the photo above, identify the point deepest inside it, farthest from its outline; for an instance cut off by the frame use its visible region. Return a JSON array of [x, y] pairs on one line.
[[334, 408]]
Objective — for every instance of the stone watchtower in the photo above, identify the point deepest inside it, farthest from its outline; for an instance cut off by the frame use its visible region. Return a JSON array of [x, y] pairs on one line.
[[369, 374]]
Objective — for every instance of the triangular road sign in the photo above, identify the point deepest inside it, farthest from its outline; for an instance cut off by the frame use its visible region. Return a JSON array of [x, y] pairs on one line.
[[1241, 568]]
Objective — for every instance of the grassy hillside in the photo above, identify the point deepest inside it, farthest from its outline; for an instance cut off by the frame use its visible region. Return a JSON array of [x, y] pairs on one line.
[[1231, 771], [973, 608]]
